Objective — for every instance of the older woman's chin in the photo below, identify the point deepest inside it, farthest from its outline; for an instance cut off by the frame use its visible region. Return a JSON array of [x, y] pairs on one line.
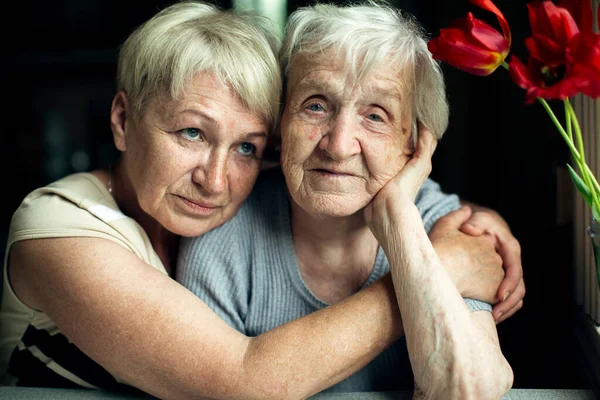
[[332, 206]]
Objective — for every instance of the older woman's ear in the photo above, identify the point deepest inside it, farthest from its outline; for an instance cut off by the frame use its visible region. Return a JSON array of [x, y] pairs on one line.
[[118, 118]]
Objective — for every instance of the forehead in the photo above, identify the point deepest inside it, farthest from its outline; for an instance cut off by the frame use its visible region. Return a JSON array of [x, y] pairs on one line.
[[207, 94], [331, 72]]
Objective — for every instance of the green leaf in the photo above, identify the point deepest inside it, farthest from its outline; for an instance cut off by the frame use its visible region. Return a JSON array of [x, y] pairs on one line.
[[581, 187], [596, 214]]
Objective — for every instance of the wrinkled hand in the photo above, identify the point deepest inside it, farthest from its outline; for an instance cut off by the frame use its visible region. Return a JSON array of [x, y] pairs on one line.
[[512, 289], [471, 260], [401, 190]]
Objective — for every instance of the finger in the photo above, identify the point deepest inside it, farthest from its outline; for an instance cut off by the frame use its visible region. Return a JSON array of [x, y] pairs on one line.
[[478, 224], [416, 171], [470, 229], [426, 140], [510, 313], [505, 308], [510, 251], [456, 218]]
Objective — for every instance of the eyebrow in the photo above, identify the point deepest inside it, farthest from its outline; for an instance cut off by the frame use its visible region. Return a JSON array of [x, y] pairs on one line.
[[200, 113], [217, 124], [310, 83], [379, 94], [255, 134]]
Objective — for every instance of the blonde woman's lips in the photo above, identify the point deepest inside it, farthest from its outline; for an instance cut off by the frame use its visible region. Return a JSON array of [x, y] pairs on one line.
[[199, 206]]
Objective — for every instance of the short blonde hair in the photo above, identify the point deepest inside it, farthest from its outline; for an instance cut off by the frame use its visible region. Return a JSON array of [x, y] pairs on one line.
[[369, 34], [239, 48]]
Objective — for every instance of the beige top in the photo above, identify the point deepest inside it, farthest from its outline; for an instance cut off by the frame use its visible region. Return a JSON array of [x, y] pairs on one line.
[[31, 346]]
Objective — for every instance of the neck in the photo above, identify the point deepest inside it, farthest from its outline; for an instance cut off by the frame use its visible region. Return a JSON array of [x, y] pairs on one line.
[[164, 242], [335, 255]]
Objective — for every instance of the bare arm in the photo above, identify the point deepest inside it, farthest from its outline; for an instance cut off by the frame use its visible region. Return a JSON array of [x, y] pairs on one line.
[[126, 298], [454, 353], [149, 331]]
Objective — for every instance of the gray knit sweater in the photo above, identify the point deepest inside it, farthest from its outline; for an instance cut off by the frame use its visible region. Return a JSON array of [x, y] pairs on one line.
[[246, 271]]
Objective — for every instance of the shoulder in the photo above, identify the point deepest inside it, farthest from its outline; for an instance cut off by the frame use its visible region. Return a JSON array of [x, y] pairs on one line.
[[72, 199], [78, 206]]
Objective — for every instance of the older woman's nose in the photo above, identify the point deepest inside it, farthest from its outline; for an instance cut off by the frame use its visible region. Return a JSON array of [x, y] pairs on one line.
[[212, 175], [341, 141]]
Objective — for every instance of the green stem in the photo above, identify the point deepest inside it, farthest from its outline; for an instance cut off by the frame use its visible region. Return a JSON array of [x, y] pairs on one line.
[[571, 120], [577, 132], [591, 175], [571, 117], [560, 128], [586, 174], [568, 119]]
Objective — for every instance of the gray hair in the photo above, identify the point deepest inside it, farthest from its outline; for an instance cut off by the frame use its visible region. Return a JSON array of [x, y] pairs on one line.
[[239, 48], [371, 33]]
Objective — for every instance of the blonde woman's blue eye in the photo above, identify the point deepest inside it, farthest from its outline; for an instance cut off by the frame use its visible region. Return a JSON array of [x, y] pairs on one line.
[[246, 149], [375, 117], [315, 107], [191, 133]]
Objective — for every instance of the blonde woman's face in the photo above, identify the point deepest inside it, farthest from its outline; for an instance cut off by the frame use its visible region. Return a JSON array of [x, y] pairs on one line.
[[194, 160], [342, 140]]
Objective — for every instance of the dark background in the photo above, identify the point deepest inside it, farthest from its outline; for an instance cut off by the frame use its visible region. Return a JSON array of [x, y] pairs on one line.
[[58, 66]]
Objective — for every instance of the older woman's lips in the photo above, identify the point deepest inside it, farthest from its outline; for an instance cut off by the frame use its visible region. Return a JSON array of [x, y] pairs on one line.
[[332, 173], [201, 208]]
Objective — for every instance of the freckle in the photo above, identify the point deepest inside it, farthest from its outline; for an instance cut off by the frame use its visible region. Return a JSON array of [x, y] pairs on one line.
[[312, 136]]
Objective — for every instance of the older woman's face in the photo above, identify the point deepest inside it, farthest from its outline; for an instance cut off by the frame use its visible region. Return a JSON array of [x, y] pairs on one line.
[[194, 160], [342, 141]]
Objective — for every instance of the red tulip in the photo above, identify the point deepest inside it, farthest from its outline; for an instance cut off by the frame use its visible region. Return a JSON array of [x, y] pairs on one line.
[[581, 11], [552, 28], [583, 55], [472, 45], [540, 81]]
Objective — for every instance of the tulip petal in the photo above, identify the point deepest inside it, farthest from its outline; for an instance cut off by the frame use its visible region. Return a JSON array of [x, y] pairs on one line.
[[546, 50], [491, 7], [480, 32], [519, 73], [581, 11], [455, 47], [585, 49], [547, 19]]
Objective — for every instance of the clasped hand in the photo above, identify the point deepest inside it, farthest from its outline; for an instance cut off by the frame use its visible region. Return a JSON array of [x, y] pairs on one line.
[[475, 244]]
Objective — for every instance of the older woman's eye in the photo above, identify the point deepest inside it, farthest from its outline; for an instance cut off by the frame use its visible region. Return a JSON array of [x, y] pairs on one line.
[[375, 117], [246, 149], [191, 133], [315, 107]]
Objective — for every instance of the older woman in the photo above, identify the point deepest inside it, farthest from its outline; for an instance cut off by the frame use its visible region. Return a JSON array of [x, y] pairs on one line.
[[359, 80], [89, 299]]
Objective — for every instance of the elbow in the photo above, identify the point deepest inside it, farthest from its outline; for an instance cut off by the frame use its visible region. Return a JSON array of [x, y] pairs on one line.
[[275, 389], [490, 379]]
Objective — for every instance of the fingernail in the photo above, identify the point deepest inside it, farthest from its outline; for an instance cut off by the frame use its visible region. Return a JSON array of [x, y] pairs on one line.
[[498, 315], [505, 295]]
